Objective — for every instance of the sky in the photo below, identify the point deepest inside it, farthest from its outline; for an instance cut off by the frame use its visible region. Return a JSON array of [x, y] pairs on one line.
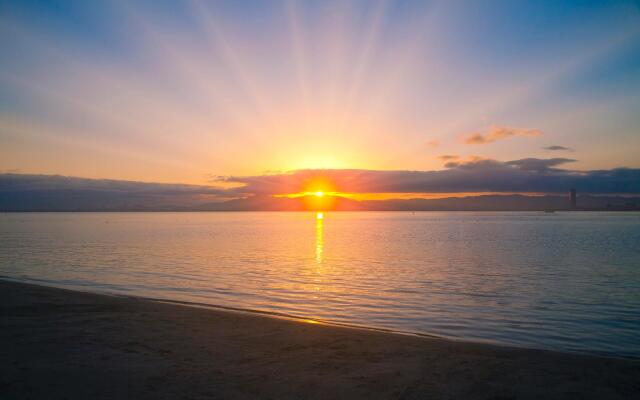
[[365, 97]]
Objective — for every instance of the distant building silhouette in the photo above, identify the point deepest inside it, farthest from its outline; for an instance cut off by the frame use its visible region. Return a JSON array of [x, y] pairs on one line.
[[574, 200]]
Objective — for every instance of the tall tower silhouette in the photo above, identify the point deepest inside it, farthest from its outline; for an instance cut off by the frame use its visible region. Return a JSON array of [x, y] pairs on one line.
[[574, 200]]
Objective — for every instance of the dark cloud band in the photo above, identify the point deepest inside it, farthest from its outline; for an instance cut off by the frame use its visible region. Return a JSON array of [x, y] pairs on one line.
[[528, 175], [557, 148]]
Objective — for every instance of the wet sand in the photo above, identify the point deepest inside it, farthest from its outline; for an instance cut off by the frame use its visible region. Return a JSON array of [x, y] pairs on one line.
[[60, 344]]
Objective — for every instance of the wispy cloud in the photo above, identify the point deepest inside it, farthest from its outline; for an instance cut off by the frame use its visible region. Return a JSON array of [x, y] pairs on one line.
[[433, 144], [557, 148], [495, 133], [448, 157]]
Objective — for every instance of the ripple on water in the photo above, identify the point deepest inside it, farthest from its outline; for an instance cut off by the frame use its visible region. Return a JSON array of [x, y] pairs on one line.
[[569, 281]]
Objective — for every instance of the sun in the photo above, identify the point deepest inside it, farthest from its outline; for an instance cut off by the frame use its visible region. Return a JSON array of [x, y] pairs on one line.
[[319, 193]]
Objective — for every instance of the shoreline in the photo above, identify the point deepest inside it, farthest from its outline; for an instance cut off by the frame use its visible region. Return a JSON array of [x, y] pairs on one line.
[[298, 318], [59, 343], [251, 311]]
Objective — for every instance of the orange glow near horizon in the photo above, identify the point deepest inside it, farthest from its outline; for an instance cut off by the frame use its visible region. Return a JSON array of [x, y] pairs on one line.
[[320, 193], [319, 203], [318, 186], [312, 194], [397, 196]]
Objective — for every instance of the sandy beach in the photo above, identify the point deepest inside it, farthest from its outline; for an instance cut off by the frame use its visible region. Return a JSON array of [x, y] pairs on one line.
[[60, 344]]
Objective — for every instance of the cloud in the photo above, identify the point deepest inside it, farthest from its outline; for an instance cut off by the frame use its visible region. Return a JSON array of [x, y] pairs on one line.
[[456, 161], [29, 182], [528, 175], [475, 174], [433, 144], [55, 192], [448, 157], [498, 133], [539, 165], [558, 148]]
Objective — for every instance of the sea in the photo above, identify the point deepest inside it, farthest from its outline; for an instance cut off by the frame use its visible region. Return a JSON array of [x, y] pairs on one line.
[[564, 281]]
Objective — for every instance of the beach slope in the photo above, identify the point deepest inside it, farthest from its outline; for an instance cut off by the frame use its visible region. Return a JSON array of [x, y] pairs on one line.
[[60, 344]]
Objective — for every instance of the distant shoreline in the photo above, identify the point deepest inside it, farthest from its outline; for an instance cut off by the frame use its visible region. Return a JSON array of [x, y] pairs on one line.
[[53, 339]]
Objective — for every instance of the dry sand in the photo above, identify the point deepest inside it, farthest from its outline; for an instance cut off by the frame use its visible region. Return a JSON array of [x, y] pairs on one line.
[[59, 344]]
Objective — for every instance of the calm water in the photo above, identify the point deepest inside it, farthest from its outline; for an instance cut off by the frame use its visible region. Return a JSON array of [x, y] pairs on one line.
[[566, 281]]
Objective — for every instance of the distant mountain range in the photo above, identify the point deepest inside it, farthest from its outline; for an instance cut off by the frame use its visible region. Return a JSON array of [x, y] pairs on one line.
[[85, 202], [471, 203]]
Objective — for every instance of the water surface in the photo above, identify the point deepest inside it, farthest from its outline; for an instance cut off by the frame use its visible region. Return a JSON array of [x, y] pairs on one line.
[[563, 281]]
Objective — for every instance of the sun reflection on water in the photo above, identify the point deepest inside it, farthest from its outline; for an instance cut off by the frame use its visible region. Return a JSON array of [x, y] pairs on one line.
[[319, 237]]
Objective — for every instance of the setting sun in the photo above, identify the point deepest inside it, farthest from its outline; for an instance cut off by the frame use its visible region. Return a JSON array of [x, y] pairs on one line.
[[319, 193]]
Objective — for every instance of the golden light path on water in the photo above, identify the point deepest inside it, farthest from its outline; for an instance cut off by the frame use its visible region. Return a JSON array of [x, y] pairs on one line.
[[319, 237], [319, 272]]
